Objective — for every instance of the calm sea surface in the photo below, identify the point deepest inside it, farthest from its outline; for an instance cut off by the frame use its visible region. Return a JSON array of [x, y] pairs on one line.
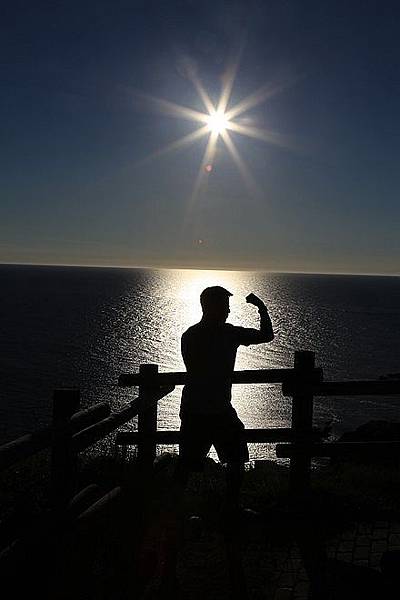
[[84, 326]]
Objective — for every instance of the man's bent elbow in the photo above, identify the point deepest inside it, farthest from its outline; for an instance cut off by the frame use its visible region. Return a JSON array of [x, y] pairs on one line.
[[267, 336]]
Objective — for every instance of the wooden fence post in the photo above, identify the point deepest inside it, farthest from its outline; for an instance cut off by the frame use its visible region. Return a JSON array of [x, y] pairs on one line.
[[147, 416], [63, 460], [302, 418]]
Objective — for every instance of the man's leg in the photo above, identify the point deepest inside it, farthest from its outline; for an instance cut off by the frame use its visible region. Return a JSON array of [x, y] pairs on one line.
[[233, 452], [234, 480], [182, 473], [194, 445]]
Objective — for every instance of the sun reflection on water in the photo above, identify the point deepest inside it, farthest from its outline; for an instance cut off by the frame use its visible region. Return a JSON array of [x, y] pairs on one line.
[[169, 303], [105, 322], [178, 295]]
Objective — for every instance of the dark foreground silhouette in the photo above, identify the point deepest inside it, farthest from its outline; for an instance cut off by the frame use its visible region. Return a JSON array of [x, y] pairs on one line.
[[207, 416], [143, 539]]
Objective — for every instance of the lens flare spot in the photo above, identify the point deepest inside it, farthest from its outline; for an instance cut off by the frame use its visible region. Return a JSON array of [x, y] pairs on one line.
[[208, 168]]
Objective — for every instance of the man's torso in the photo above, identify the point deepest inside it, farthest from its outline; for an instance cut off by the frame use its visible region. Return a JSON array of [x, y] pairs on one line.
[[209, 353]]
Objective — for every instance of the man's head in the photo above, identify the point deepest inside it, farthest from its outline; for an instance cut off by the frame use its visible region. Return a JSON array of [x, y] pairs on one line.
[[215, 303]]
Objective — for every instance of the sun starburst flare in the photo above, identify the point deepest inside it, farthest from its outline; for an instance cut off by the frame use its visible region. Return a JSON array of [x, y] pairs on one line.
[[219, 122]]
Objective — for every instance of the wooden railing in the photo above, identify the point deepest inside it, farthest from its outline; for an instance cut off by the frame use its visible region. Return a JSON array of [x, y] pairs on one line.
[[300, 443], [303, 374], [73, 430], [308, 448]]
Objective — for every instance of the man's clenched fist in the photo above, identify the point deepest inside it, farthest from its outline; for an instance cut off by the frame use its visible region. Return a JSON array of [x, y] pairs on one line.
[[255, 300]]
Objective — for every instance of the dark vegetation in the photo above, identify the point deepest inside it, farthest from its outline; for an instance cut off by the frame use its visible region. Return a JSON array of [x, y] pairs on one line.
[[104, 557]]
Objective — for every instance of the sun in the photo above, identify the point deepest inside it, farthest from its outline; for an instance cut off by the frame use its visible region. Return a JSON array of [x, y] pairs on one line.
[[217, 122], [221, 122]]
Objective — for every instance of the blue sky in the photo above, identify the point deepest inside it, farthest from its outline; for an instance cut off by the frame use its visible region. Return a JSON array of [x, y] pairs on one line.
[[75, 188]]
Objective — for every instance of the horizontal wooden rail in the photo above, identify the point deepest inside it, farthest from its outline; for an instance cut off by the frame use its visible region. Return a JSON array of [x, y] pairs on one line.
[[83, 500], [333, 449], [84, 418], [87, 503], [343, 388], [93, 434], [252, 436], [23, 447], [87, 426], [132, 438], [102, 505], [249, 376], [31, 443], [89, 436]]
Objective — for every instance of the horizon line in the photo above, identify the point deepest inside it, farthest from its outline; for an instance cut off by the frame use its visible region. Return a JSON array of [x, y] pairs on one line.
[[197, 268]]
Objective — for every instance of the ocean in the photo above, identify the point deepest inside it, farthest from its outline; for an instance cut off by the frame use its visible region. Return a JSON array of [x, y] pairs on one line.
[[83, 327]]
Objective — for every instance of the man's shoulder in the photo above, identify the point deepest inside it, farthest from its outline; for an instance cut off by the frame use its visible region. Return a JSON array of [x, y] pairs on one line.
[[192, 330], [232, 329], [200, 329], [239, 335]]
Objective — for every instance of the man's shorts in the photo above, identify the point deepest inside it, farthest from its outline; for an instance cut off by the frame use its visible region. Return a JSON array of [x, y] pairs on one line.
[[223, 431]]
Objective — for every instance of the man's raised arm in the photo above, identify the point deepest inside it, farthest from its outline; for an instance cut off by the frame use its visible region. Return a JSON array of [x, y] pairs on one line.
[[265, 333]]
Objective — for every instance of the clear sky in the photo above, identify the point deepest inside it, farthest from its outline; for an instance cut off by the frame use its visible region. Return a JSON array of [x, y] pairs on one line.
[[77, 184]]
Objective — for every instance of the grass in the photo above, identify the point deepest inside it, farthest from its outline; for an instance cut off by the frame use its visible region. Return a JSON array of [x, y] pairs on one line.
[[371, 490], [348, 487], [104, 556]]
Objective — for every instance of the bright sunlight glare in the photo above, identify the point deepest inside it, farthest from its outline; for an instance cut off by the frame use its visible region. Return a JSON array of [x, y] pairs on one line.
[[217, 122]]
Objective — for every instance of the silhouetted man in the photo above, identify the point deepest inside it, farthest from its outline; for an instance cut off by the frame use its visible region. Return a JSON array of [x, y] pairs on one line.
[[207, 415]]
